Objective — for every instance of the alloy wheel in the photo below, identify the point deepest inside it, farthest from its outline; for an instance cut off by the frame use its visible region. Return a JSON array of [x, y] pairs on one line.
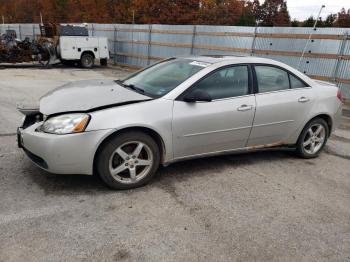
[[131, 162], [314, 139]]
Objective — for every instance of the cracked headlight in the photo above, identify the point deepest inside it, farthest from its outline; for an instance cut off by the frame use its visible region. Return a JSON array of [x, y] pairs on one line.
[[66, 124]]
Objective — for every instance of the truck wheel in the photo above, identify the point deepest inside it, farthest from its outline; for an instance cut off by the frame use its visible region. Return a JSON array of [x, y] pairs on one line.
[[103, 61], [87, 61]]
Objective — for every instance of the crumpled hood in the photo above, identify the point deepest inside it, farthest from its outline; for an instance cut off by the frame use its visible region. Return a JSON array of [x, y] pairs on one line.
[[87, 95]]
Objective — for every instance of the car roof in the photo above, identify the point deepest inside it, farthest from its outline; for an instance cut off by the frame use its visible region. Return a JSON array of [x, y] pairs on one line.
[[213, 59]]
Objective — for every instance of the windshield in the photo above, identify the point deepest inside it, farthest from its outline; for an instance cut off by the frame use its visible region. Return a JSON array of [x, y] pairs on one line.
[[161, 78]]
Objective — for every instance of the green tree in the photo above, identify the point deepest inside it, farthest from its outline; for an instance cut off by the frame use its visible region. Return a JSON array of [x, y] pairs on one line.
[[247, 18], [330, 20], [295, 23], [309, 22]]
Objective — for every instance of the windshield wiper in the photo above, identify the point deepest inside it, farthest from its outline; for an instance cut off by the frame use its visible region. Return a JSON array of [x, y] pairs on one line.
[[132, 87], [135, 88]]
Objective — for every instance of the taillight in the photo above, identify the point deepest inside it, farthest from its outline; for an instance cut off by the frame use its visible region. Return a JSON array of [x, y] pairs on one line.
[[340, 97]]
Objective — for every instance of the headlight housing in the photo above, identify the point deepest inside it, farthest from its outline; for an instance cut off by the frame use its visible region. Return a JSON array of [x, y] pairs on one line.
[[66, 124]]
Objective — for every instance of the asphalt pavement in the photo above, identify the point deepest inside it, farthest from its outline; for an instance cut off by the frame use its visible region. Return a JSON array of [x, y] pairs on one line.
[[264, 206]]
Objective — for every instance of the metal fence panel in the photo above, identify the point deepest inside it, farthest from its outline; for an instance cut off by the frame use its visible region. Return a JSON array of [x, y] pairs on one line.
[[327, 55]]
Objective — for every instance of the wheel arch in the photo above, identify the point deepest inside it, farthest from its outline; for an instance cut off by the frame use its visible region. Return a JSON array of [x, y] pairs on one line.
[[326, 118], [88, 52], [152, 133]]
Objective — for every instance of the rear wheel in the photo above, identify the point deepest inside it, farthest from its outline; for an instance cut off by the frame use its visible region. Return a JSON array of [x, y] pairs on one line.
[[129, 160], [87, 61], [313, 138]]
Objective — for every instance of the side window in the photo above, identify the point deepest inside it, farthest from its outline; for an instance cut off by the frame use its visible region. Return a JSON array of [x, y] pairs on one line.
[[271, 79], [225, 83], [295, 82]]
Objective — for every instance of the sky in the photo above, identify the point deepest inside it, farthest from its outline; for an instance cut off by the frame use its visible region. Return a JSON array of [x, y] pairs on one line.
[[302, 9]]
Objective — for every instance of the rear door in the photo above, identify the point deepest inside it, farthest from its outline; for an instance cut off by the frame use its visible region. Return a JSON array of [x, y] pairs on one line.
[[220, 125], [282, 104]]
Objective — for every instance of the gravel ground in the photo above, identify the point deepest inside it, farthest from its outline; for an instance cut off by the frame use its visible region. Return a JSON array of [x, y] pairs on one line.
[[266, 206]]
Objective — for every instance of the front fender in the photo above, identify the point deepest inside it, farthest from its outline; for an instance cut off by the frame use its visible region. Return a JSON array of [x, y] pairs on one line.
[[155, 115]]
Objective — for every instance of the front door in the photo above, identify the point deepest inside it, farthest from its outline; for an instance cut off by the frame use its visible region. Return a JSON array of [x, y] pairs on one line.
[[220, 125]]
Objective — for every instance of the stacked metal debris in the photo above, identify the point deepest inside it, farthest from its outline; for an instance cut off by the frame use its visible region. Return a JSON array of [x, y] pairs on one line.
[[13, 50]]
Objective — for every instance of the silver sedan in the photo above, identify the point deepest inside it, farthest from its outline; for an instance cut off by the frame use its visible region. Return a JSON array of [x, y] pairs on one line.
[[178, 109]]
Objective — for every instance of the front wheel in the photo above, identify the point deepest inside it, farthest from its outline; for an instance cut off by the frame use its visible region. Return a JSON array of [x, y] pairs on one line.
[[128, 160], [313, 138]]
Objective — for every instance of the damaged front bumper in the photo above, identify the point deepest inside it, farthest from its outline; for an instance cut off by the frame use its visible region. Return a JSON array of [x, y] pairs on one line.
[[59, 154]]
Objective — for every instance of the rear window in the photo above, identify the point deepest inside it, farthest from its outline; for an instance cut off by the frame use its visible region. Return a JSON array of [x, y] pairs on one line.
[[295, 82], [271, 79]]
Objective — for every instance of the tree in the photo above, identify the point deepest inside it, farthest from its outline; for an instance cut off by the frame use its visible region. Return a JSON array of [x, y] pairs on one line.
[[282, 18], [309, 22], [274, 13], [247, 17], [330, 20], [119, 11], [221, 12], [295, 23], [343, 18], [256, 9]]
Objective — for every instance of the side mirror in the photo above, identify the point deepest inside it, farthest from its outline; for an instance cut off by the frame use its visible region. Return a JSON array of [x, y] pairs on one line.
[[197, 96]]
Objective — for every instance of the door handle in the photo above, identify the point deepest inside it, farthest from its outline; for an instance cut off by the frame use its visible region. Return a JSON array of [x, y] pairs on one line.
[[245, 108], [303, 99]]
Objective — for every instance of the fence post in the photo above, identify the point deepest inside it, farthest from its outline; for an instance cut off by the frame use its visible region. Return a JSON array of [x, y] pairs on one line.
[[252, 50], [33, 31], [340, 57], [132, 41], [19, 31], [149, 44], [115, 45], [193, 38]]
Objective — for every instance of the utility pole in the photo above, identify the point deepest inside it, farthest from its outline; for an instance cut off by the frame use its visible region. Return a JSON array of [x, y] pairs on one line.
[[313, 30], [3, 20]]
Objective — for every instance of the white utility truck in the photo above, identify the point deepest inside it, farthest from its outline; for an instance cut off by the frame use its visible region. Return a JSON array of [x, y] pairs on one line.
[[76, 46]]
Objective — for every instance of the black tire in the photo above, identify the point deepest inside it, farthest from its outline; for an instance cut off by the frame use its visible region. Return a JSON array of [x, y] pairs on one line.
[[87, 61], [107, 153], [300, 148], [103, 62]]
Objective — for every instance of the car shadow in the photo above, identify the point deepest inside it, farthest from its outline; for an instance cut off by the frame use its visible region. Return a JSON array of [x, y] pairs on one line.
[[165, 177]]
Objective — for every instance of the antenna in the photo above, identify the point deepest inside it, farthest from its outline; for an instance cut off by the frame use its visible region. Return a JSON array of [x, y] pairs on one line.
[[313, 30]]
